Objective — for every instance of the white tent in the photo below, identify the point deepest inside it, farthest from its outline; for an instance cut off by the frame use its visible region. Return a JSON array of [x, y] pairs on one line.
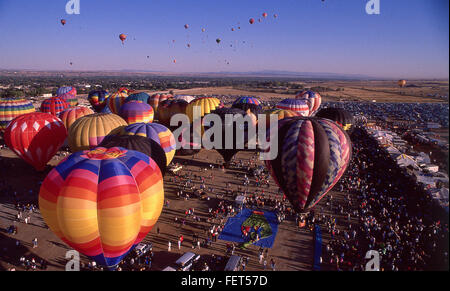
[[405, 161]]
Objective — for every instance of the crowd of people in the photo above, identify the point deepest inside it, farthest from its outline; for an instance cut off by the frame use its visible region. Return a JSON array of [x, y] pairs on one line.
[[394, 216]]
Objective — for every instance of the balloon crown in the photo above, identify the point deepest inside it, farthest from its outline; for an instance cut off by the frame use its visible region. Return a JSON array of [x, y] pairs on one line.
[[104, 153]]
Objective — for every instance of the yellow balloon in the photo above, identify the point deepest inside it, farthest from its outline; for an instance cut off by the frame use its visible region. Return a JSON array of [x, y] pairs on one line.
[[89, 131]]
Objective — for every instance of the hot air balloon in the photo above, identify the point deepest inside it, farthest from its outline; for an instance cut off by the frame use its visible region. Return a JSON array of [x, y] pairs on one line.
[[228, 153], [259, 20], [251, 21], [296, 105], [186, 26], [89, 131], [203, 30], [169, 108], [282, 114], [265, 15], [66, 90], [402, 83], [122, 37], [275, 15], [54, 105], [313, 99], [69, 116], [248, 103], [187, 98], [313, 154], [125, 90], [138, 143], [155, 99], [97, 99], [218, 40], [70, 99], [63, 22], [232, 29], [35, 137], [156, 132], [142, 97], [205, 104], [174, 61], [188, 45], [116, 100], [338, 115], [103, 202], [11, 108], [136, 112]]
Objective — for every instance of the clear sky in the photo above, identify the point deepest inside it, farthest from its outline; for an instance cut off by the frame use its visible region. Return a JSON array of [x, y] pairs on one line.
[[409, 39]]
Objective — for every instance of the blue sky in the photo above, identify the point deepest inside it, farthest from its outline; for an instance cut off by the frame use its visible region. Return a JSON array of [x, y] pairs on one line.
[[409, 39]]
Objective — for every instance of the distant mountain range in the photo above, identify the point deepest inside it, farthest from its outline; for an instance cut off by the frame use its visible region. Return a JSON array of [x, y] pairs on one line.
[[128, 72]]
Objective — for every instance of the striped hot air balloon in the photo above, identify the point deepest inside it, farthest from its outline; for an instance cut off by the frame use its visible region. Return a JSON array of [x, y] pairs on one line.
[[136, 112], [66, 90], [155, 99], [70, 99], [35, 137], [69, 116], [296, 105], [157, 132], [247, 100], [313, 154], [89, 131], [313, 99], [116, 100], [54, 105], [103, 202], [11, 108], [97, 99]]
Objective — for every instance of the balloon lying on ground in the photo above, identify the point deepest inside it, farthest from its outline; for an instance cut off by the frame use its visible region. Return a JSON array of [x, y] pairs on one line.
[[156, 132], [338, 115], [138, 143], [54, 105], [69, 116], [136, 112], [97, 99], [11, 108], [35, 137], [103, 202], [313, 99], [297, 105], [313, 154], [89, 131]]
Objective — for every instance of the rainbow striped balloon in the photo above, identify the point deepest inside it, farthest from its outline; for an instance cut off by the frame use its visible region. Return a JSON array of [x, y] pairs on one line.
[[70, 115], [54, 105], [66, 90], [116, 100], [103, 202], [70, 99], [157, 132], [11, 108], [247, 100], [136, 112]]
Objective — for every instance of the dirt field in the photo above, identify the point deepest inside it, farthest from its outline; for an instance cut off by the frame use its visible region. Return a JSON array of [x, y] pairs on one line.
[[292, 250]]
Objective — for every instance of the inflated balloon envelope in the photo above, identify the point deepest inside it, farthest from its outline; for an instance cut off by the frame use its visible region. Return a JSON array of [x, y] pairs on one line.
[[313, 155]]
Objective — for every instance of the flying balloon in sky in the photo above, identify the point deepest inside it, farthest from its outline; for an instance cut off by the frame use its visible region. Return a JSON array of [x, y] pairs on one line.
[[122, 37]]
